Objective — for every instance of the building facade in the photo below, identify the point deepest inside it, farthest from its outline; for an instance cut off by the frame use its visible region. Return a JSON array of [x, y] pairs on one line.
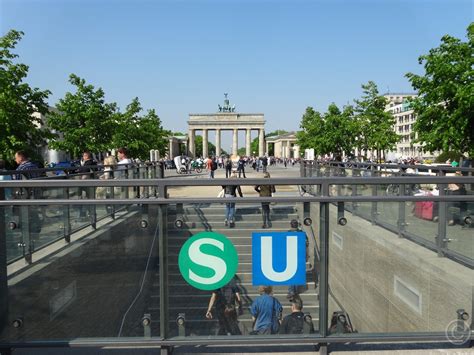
[[405, 119], [226, 119], [284, 146]]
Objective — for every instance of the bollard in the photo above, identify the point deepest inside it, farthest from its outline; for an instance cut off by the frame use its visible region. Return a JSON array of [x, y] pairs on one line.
[[146, 322], [181, 321]]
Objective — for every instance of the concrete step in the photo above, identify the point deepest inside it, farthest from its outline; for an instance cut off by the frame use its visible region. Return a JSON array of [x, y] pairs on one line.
[[241, 209], [190, 218], [244, 265], [240, 229], [199, 298], [239, 225], [206, 327], [179, 285], [175, 276], [243, 257]]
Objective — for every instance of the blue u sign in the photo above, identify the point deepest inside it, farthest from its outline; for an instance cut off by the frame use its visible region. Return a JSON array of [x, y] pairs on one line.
[[278, 258]]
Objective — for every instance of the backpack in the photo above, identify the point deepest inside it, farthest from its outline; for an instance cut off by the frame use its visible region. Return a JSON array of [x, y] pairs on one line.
[[214, 165], [228, 298]]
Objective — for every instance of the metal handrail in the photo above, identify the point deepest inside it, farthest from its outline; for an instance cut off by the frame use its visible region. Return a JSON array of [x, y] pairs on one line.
[[325, 198]]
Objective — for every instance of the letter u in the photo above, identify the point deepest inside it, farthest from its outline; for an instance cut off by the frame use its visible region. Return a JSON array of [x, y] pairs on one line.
[[266, 250]]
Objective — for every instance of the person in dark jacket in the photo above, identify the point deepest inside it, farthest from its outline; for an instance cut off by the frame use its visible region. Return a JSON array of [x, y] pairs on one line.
[[227, 301], [295, 323], [34, 212], [229, 192], [265, 191], [87, 167], [241, 167]]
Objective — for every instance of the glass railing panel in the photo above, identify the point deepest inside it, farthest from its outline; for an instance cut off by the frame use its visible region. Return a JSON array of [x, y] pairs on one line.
[[364, 209], [387, 284], [190, 296], [460, 227], [386, 212], [100, 284], [421, 219], [13, 236]]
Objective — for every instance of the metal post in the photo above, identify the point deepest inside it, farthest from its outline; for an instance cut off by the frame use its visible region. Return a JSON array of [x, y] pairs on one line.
[[3, 269], [401, 223], [441, 240], [355, 172], [163, 262], [373, 214], [67, 217], [26, 241], [92, 208], [324, 262]]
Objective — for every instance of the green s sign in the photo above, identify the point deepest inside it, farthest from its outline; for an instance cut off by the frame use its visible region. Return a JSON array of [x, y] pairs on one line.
[[208, 260]]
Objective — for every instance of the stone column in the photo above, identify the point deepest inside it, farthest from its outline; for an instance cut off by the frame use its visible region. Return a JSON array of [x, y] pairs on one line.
[[218, 142], [170, 150], [267, 146], [192, 148], [247, 143], [235, 142], [288, 145], [261, 143], [205, 152]]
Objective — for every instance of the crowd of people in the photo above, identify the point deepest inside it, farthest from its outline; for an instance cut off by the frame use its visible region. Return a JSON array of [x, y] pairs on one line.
[[266, 312]]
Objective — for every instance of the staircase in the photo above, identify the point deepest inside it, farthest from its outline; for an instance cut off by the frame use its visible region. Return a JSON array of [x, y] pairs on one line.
[[183, 298]]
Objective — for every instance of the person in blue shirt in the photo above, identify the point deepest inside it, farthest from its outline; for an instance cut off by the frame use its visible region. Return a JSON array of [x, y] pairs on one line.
[[266, 312]]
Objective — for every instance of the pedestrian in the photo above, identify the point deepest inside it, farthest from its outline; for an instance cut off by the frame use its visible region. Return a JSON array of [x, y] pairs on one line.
[[228, 167], [211, 167], [264, 163], [87, 172], [296, 322], [231, 191], [241, 167], [124, 163], [34, 214], [265, 191], [227, 303], [109, 165], [266, 312], [24, 165]]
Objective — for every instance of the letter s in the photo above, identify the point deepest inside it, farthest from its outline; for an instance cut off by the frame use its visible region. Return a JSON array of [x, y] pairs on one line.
[[211, 261]]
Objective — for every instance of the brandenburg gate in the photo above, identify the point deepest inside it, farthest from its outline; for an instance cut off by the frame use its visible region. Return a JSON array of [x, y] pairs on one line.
[[226, 119]]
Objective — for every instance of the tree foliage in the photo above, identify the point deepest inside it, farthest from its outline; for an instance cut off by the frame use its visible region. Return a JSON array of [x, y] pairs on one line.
[[311, 135], [333, 132], [19, 129], [211, 148], [445, 102], [85, 121], [374, 124], [139, 134]]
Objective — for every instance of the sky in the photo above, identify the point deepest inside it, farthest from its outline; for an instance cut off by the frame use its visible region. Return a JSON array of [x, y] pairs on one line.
[[275, 57]]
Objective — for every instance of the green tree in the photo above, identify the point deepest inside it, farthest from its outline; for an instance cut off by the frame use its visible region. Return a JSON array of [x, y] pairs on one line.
[[85, 121], [312, 132], [19, 129], [339, 130], [138, 133], [241, 151], [375, 125], [445, 102], [211, 148]]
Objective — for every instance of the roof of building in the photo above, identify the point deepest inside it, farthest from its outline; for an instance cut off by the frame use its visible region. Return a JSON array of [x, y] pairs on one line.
[[289, 135]]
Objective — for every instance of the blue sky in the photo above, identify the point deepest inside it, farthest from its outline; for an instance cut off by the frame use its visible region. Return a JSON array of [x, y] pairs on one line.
[[271, 56]]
